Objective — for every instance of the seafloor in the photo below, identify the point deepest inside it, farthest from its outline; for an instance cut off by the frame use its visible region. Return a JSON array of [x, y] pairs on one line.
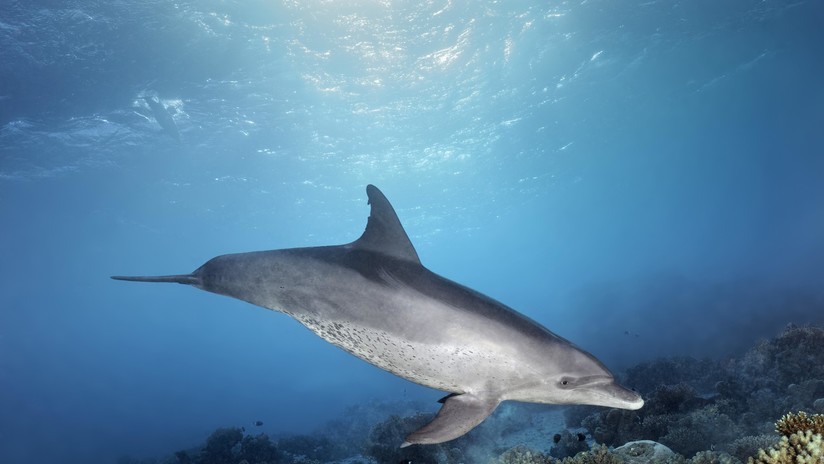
[[696, 411]]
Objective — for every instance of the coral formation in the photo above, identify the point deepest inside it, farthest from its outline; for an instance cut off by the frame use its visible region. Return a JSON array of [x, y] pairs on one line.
[[229, 445], [738, 399], [568, 444], [745, 447], [790, 424], [787, 358], [599, 454], [317, 448], [522, 455], [700, 375], [693, 431], [818, 405], [713, 457], [387, 436], [801, 441], [799, 448], [259, 448], [614, 426]]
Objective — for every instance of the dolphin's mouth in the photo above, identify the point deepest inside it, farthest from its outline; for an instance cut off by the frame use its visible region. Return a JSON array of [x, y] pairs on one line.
[[615, 396]]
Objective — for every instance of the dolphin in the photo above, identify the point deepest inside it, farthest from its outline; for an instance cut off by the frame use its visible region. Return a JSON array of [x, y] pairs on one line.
[[163, 118], [373, 298]]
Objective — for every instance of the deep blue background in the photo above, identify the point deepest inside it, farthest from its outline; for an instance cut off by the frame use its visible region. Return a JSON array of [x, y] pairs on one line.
[[604, 166]]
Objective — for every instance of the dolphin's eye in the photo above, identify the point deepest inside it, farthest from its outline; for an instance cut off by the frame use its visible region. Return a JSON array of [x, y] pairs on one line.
[[566, 382]]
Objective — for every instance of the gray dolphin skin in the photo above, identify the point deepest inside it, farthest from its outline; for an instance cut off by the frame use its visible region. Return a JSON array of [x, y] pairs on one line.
[[375, 299]]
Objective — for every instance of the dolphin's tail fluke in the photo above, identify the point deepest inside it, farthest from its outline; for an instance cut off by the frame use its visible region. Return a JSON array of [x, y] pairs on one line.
[[186, 279]]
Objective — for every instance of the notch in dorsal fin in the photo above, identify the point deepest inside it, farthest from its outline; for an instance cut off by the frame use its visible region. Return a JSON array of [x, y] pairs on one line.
[[384, 232]]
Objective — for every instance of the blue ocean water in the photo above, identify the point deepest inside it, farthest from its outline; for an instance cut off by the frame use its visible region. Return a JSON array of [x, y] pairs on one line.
[[644, 178]]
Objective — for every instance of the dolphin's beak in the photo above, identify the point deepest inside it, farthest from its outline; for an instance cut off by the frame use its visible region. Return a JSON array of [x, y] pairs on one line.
[[615, 396]]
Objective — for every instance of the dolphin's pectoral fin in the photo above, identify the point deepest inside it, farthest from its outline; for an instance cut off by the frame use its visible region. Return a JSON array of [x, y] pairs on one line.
[[460, 414]]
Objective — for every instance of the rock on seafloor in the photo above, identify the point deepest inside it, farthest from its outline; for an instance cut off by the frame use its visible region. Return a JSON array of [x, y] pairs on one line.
[[644, 451]]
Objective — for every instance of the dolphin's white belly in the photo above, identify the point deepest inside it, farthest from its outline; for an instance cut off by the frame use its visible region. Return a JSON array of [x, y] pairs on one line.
[[417, 338], [449, 367]]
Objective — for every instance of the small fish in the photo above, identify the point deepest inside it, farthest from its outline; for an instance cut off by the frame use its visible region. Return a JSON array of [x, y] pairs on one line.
[[258, 423], [556, 438], [581, 436], [406, 461]]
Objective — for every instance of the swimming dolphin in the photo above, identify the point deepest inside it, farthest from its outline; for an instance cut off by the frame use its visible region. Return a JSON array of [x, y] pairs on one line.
[[162, 116], [375, 299]]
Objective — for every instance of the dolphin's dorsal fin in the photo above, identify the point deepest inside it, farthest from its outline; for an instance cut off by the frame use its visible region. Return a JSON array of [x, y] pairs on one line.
[[384, 232]]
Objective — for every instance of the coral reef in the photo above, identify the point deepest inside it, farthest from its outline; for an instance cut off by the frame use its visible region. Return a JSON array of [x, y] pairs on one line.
[[669, 399], [818, 405], [614, 426], [219, 446], [799, 448], [745, 447], [700, 375], [259, 448], [713, 457], [801, 441], [787, 359], [568, 444], [674, 416], [315, 448], [780, 374], [387, 436], [229, 445], [790, 424], [710, 412], [693, 431], [599, 454], [522, 455]]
